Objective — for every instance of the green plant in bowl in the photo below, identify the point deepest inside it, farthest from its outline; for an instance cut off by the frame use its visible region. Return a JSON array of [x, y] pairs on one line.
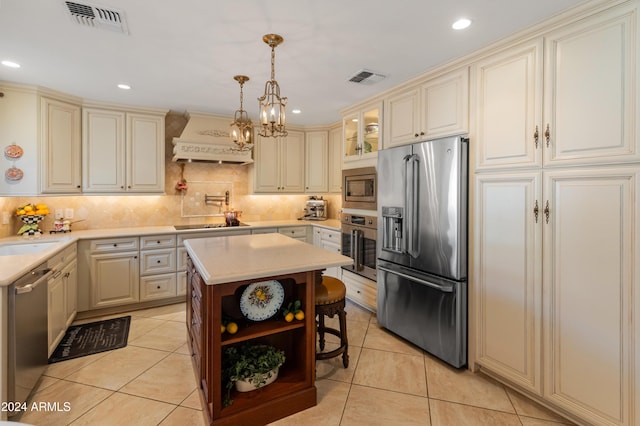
[[256, 364]]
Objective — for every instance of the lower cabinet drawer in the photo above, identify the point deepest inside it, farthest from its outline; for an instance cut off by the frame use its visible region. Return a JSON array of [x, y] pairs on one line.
[[361, 290], [157, 261], [158, 286]]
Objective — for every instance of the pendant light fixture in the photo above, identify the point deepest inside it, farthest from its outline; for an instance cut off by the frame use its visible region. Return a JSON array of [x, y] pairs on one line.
[[241, 127], [272, 106]]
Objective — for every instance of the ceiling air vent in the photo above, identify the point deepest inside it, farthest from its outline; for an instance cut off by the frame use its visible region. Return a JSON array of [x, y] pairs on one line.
[[98, 17], [367, 77]]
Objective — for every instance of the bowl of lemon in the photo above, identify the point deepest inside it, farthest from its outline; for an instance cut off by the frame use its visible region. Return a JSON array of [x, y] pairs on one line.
[[31, 215]]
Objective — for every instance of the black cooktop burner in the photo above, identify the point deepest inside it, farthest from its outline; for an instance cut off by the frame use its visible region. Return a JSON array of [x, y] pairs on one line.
[[207, 226]]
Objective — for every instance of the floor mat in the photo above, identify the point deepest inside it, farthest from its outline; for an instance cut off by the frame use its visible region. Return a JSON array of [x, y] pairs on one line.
[[92, 338]]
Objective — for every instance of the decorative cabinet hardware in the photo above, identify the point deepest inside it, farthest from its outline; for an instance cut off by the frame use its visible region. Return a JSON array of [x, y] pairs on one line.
[[536, 135], [536, 210], [547, 135], [546, 211], [419, 134]]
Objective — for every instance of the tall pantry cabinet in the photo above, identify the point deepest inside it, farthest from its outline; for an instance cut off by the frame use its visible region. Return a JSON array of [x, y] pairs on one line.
[[556, 241]]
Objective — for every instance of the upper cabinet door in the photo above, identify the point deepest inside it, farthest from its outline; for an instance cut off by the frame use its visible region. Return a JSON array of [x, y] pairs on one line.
[[292, 162], [103, 149], [590, 76], [145, 153], [61, 147], [402, 118], [316, 161], [266, 165], [445, 104], [508, 108], [335, 160]]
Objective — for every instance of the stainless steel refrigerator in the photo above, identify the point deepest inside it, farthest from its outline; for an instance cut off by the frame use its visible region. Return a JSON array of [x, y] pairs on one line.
[[422, 250]]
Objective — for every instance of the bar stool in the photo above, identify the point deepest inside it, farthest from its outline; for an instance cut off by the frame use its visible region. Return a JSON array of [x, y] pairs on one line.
[[330, 300]]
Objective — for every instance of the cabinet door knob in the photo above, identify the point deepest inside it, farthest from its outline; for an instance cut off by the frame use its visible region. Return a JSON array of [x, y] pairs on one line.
[[536, 211], [535, 138], [546, 211], [415, 135], [115, 245], [158, 261]]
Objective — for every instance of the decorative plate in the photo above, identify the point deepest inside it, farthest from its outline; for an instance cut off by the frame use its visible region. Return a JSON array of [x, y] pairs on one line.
[[261, 300], [13, 173], [13, 151]]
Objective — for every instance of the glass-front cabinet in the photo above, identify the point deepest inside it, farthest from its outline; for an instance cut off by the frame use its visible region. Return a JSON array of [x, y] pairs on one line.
[[361, 132]]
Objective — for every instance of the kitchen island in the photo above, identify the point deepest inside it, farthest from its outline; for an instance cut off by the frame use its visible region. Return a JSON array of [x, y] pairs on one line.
[[218, 272]]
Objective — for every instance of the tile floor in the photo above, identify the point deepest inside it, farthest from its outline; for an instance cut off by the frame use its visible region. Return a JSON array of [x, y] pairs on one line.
[[388, 382]]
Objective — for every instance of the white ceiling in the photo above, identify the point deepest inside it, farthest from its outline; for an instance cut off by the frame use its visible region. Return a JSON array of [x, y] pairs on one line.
[[182, 55]]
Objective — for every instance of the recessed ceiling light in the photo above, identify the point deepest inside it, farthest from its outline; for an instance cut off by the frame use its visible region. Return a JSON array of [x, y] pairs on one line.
[[11, 64], [461, 24], [295, 111], [124, 86]]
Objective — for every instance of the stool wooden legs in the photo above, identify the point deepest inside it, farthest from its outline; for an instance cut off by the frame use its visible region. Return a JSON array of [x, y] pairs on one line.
[[330, 310]]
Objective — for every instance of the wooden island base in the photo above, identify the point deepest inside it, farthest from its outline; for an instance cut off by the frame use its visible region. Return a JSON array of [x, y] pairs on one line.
[[294, 390]]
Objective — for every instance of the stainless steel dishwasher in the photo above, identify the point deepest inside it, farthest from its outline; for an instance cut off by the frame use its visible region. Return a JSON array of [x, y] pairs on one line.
[[28, 345]]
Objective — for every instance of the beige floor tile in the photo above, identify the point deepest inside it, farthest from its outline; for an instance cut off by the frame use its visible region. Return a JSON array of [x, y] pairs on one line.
[[530, 421], [356, 330], [169, 337], [78, 399], [45, 382], [333, 369], [63, 368], [382, 339], [184, 349], [368, 406], [182, 416], [463, 386], [391, 371], [331, 399], [446, 414], [121, 409], [193, 400], [161, 311], [142, 325], [118, 368], [526, 407], [171, 380], [356, 312]]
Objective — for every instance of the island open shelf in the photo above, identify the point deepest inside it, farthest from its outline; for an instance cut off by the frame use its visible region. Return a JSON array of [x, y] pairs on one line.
[[214, 291]]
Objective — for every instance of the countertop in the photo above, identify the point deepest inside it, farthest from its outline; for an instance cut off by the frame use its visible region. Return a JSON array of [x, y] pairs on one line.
[[13, 267], [228, 259]]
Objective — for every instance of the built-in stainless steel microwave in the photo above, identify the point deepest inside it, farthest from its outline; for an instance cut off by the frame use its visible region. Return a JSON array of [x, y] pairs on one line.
[[360, 188]]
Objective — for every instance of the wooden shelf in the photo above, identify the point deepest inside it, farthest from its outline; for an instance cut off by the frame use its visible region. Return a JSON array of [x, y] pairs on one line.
[[293, 391]]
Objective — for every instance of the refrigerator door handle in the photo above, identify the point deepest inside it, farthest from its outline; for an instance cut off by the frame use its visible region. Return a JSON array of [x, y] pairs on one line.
[[442, 288], [411, 203]]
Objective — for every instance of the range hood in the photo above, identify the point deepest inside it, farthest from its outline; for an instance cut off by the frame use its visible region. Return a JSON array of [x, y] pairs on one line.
[[205, 138]]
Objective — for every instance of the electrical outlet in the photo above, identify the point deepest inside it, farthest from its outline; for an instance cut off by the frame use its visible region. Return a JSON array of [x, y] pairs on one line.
[[68, 213], [5, 218], [58, 214]]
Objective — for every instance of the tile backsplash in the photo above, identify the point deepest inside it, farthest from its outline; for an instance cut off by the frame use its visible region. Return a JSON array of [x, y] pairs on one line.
[[113, 211]]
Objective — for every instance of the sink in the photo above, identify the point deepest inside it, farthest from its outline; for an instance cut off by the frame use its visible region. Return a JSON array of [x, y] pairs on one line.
[[27, 247]]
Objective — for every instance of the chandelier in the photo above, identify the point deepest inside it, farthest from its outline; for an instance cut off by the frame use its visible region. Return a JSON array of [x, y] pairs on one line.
[[241, 127], [272, 106]]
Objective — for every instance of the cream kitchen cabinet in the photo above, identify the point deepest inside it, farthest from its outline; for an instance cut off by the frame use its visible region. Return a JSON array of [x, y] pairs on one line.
[[574, 111], [279, 164], [361, 135], [361, 290], [316, 162], [335, 160], [123, 151], [61, 143], [556, 264], [438, 107], [114, 272], [508, 275], [158, 279], [329, 240], [62, 295], [296, 232]]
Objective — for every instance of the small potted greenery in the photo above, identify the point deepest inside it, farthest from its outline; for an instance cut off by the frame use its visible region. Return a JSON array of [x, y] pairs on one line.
[[249, 367]]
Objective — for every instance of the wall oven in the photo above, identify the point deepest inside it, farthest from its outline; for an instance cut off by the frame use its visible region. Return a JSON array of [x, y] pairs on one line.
[[359, 235], [359, 188]]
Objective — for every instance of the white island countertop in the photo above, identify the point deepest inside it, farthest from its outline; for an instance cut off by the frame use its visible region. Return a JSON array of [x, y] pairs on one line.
[[244, 257]]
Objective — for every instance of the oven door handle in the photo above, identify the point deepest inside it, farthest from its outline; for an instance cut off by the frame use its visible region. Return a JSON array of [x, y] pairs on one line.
[[446, 288], [356, 249]]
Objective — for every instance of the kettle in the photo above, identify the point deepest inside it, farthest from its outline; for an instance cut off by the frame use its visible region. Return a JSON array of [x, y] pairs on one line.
[[231, 217]]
